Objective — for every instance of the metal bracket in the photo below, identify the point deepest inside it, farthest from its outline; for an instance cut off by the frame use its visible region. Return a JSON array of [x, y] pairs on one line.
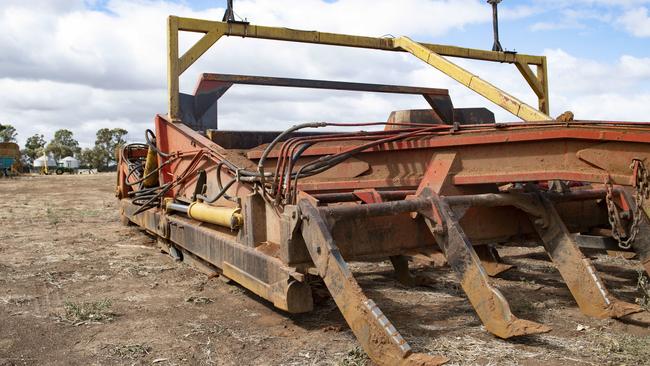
[[577, 271], [376, 334], [215, 30], [490, 305]]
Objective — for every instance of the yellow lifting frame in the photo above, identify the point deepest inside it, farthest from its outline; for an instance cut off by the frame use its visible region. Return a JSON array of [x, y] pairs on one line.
[[430, 53]]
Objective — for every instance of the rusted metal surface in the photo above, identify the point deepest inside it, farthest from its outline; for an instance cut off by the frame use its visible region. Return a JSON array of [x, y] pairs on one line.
[[401, 192], [265, 275], [177, 63], [488, 302], [641, 245], [577, 271], [354, 196], [373, 210], [200, 110], [489, 155], [445, 178], [378, 337], [402, 273], [249, 139], [206, 80], [400, 262], [491, 261]]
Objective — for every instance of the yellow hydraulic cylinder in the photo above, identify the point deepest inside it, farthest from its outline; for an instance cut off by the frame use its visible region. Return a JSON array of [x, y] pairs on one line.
[[149, 166], [222, 216]]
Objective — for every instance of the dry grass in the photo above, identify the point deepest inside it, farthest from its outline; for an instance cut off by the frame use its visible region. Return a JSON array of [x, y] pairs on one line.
[[622, 349], [643, 286], [52, 216], [199, 300], [96, 311], [355, 357], [19, 300], [166, 305], [130, 351]]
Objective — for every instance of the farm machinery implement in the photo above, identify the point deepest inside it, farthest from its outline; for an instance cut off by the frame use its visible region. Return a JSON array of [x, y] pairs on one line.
[[278, 211], [9, 159]]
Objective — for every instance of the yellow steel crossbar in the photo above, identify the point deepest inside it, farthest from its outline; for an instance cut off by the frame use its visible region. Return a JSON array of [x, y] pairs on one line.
[[431, 53], [482, 87]]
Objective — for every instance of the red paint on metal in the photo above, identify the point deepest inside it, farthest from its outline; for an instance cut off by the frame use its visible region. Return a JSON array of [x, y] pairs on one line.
[[495, 135], [368, 195]]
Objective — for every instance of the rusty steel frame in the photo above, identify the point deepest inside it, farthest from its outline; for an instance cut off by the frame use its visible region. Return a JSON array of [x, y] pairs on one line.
[[430, 53], [264, 275], [394, 194], [452, 215], [317, 237], [227, 80], [211, 87]]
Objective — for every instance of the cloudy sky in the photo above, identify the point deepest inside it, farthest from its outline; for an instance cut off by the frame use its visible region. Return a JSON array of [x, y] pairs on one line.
[[88, 64]]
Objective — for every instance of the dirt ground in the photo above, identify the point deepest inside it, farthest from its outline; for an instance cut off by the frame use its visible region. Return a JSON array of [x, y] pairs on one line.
[[77, 288]]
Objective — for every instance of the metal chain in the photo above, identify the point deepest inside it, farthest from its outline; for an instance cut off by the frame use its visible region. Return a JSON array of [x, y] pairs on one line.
[[641, 193]]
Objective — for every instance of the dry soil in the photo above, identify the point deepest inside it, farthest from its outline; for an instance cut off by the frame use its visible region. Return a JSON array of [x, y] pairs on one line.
[[77, 288]]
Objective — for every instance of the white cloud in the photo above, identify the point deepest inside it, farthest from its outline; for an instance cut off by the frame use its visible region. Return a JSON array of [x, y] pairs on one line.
[[615, 3], [372, 18], [596, 90], [563, 24], [636, 22], [632, 15], [71, 67], [573, 16], [43, 106], [83, 69]]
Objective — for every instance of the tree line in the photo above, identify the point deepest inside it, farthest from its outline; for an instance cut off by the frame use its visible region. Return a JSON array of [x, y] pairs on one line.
[[63, 144]]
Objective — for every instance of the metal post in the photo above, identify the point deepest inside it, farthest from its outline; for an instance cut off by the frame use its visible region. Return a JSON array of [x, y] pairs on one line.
[[495, 25], [173, 73], [229, 14]]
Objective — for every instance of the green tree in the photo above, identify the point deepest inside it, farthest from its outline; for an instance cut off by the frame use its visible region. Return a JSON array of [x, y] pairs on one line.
[[34, 146], [107, 142], [7, 133], [63, 144], [91, 158]]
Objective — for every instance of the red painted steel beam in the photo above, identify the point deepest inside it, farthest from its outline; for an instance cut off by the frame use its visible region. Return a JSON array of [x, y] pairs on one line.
[[629, 132], [546, 151]]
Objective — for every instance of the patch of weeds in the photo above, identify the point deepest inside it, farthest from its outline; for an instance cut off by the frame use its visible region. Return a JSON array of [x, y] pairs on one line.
[[95, 311], [527, 281], [643, 286], [88, 213], [199, 300], [52, 216], [623, 348], [130, 351], [355, 357]]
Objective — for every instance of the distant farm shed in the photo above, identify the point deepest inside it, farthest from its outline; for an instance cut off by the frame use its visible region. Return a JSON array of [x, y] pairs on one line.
[[69, 162], [44, 161]]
